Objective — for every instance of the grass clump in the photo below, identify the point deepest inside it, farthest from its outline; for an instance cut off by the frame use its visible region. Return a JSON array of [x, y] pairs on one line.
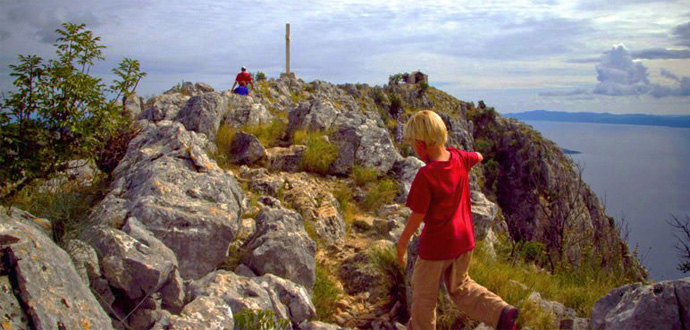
[[268, 134], [379, 193], [67, 206], [384, 261], [363, 175], [224, 138], [325, 293], [575, 289], [343, 194], [249, 319], [320, 154]]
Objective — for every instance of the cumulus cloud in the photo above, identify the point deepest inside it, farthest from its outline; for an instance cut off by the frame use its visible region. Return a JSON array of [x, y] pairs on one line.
[[618, 74]]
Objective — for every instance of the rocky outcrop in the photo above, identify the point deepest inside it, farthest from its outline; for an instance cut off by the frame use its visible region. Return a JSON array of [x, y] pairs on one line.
[[285, 159], [661, 305], [45, 281], [268, 292], [203, 113], [164, 107], [168, 183], [246, 149], [282, 247]]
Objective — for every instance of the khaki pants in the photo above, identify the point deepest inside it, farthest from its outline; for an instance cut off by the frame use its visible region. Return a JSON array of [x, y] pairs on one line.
[[471, 298]]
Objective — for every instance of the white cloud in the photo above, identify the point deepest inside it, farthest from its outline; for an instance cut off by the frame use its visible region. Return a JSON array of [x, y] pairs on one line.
[[618, 74]]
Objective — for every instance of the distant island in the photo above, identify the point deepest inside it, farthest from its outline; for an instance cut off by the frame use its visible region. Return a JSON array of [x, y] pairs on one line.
[[603, 118]]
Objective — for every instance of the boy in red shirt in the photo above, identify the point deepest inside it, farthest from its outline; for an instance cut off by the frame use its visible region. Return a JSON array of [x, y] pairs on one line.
[[243, 77], [440, 197]]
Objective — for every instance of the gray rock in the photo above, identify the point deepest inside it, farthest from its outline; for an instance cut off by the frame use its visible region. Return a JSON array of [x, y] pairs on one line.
[[247, 114], [80, 172], [405, 170], [459, 135], [316, 115], [203, 87], [245, 271], [85, 260], [128, 264], [203, 113], [282, 247], [202, 313], [13, 316], [246, 149], [483, 214], [164, 107], [663, 305], [557, 309], [43, 225], [47, 282], [268, 292], [167, 181], [133, 106], [318, 325], [285, 159]]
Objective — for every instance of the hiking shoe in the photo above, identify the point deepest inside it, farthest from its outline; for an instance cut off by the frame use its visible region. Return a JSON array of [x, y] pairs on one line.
[[507, 319]]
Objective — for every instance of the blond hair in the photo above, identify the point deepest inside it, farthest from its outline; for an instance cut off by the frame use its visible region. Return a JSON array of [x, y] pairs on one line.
[[426, 126]]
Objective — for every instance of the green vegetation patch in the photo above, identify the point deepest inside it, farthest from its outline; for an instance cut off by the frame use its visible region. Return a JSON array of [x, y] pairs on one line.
[[391, 277], [320, 154], [363, 175], [325, 293], [379, 193], [249, 319]]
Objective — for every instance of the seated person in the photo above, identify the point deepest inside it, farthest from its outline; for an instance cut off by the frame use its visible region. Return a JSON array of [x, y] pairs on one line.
[[241, 89]]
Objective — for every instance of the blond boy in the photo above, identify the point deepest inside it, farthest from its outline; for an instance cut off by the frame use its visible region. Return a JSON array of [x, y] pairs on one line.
[[440, 197]]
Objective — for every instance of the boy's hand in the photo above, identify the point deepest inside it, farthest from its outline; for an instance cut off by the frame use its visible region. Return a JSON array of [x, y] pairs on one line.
[[401, 254]]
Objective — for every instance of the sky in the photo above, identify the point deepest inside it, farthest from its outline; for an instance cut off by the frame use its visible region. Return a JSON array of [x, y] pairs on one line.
[[618, 56]]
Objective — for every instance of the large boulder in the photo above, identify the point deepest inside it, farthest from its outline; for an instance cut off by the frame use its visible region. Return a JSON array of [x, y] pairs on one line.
[[268, 292], [285, 159], [45, 280], [209, 313], [164, 107], [483, 214], [203, 113], [137, 264], [663, 305], [243, 113], [405, 170], [167, 181], [282, 247], [246, 149], [316, 115]]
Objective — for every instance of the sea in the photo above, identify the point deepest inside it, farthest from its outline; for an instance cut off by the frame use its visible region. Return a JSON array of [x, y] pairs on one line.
[[641, 174]]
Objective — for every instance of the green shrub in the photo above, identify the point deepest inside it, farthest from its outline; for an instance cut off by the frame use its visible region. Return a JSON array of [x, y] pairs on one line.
[[260, 76], [380, 193], [423, 87], [300, 137], [320, 154], [59, 112], [325, 293], [363, 175], [343, 194], [249, 319]]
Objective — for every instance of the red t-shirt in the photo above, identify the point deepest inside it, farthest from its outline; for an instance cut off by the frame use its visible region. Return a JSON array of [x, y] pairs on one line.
[[441, 191], [243, 77]]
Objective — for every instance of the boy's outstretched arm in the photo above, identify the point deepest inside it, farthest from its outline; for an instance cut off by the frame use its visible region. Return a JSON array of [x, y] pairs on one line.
[[480, 156], [410, 228]]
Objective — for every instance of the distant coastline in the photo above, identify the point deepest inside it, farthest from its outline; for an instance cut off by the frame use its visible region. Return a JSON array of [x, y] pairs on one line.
[[604, 118]]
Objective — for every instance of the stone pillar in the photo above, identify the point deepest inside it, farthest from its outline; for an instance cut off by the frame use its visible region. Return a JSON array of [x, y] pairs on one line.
[[287, 73]]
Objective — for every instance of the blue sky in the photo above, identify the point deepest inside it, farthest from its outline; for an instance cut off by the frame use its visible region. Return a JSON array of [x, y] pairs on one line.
[[621, 56]]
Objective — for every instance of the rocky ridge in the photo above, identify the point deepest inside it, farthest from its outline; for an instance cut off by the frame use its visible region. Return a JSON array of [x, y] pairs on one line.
[[172, 218]]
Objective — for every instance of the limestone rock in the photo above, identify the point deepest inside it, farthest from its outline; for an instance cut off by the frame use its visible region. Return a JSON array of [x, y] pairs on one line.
[[247, 114], [318, 325], [133, 106], [167, 181], [47, 282], [202, 313], [635, 306], [203, 87], [405, 170], [268, 292], [203, 113], [246, 149], [285, 159], [85, 260], [164, 107], [13, 316], [317, 115], [483, 214], [282, 247]]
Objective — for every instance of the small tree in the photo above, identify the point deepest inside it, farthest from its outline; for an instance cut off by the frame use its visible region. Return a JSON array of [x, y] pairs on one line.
[[59, 112], [682, 228]]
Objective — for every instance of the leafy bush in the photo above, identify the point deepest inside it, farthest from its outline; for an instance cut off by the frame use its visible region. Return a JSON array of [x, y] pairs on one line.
[[115, 148], [363, 175], [320, 154], [423, 87], [249, 319], [59, 112], [325, 293], [380, 193], [396, 107], [260, 76]]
